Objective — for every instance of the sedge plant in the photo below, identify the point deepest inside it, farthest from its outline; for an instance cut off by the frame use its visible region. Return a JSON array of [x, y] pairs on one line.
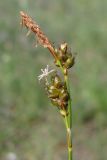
[[57, 87]]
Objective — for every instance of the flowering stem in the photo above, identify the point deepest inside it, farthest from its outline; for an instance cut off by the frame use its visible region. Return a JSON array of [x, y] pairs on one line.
[[44, 41]]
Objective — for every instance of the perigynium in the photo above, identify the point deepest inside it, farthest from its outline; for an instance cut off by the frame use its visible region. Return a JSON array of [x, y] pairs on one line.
[[57, 87]]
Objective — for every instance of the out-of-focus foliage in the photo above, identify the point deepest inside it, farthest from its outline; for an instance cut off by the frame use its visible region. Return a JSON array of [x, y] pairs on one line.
[[29, 126]]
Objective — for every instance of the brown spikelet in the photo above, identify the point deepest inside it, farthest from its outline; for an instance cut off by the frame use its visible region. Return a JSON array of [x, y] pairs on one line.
[[32, 26]]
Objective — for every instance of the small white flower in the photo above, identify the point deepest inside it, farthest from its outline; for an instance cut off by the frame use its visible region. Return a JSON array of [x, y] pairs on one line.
[[45, 73]]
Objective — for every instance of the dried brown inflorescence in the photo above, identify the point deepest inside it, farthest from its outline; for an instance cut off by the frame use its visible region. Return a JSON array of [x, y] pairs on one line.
[[34, 27]]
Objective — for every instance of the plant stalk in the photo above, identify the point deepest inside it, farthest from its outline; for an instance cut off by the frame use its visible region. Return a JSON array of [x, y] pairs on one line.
[[69, 143], [67, 118]]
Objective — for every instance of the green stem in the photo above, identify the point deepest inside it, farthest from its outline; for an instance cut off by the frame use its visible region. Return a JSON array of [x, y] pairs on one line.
[[67, 118], [69, 143], [69, 102]]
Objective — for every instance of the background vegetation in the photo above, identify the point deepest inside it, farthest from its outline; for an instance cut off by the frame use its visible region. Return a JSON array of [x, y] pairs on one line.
[[30, 127]]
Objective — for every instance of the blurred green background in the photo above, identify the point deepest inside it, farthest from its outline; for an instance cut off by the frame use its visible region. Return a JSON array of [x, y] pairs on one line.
[[30, 128]]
